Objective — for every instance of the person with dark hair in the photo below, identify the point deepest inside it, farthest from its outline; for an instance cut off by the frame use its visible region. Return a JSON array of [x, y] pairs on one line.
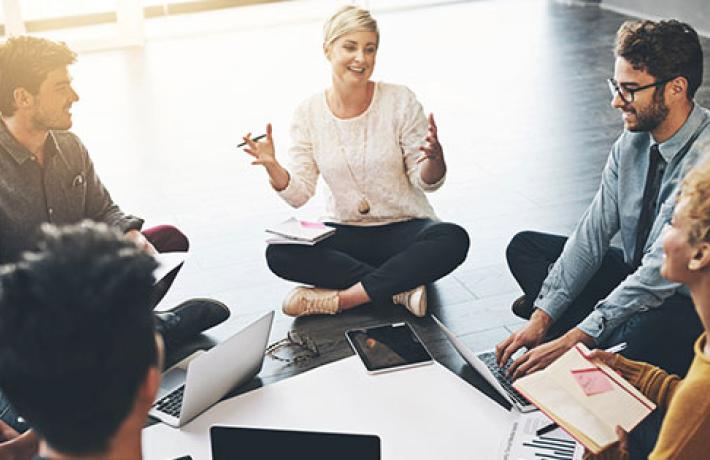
[[48, 176], [581, 289], [79, 355]]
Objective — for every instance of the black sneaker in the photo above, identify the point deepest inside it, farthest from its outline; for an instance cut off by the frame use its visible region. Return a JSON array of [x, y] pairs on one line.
[[522, 308], [189, 319]]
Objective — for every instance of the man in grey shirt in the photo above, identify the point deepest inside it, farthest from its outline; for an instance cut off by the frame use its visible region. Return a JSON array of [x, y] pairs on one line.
[[582, 289], [47, 176]]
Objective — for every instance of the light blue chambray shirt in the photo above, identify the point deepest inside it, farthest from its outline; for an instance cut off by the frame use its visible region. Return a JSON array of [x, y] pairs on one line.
[[616, 208]]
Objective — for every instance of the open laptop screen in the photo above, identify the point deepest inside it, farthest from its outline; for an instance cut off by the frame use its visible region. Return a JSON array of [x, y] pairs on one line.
[[232, 443]]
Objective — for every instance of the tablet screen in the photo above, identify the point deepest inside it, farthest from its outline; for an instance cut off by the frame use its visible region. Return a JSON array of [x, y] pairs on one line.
[[388, 347], [233, 443]]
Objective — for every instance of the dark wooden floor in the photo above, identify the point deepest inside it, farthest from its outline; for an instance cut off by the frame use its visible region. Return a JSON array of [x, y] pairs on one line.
[[519, 91]]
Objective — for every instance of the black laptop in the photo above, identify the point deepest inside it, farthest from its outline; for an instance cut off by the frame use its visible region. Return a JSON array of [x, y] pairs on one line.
[[234, 443]]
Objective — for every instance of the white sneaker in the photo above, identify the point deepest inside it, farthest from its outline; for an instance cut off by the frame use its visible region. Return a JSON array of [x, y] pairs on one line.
[[305, 301], [414, 300]]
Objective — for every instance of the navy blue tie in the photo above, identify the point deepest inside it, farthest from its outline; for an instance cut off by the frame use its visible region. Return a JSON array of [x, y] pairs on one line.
[[656, 167]]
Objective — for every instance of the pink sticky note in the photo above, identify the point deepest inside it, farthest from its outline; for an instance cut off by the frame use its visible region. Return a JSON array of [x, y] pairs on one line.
[[593, 381], [307, 224]]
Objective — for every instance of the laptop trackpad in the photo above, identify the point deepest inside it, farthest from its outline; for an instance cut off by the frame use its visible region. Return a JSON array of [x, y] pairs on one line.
[[172, 379]]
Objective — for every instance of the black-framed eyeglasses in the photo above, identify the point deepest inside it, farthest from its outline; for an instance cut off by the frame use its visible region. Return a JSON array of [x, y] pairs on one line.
[[300, 348], [627, 94]]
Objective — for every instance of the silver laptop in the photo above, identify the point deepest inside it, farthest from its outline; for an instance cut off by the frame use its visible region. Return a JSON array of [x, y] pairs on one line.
[[193, 385], [486, 365]]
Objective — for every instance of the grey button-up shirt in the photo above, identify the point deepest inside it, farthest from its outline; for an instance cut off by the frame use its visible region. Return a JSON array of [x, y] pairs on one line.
[[65, 190], [616, 208]]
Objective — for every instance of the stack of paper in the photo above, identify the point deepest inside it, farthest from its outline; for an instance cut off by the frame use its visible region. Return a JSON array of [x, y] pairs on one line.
[[587, 399], [295, 231], [523, 442]]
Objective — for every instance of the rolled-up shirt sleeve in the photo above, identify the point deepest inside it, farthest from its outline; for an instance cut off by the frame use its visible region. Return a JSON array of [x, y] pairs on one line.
[[642, 290], [303, 170], [645, 288], [584, 251]]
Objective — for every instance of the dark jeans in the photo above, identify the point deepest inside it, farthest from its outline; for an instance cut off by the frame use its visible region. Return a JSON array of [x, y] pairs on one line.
[[642, 439], [165, 238], [387, 259], [662, 336]]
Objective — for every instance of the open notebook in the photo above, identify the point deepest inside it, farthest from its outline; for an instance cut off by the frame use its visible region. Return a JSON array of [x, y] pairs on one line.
[[587, 399], [295, 231]]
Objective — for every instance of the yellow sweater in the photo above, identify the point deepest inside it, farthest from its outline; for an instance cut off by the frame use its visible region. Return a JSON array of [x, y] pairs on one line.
[[685, 432]]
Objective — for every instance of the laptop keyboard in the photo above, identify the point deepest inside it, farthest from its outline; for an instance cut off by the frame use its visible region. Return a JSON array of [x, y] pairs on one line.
[[489, 358], [171, 403]]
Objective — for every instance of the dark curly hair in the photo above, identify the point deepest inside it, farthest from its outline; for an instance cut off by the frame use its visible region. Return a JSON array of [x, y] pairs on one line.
[[664, 49], [76, 334], [25, 62]]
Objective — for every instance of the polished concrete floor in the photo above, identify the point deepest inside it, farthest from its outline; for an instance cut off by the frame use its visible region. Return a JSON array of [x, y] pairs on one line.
[[518, 89]]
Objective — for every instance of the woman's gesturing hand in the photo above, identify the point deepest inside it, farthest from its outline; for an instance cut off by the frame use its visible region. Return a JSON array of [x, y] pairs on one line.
[[432, 149], [433, 166], [263, 150], [263, 153]]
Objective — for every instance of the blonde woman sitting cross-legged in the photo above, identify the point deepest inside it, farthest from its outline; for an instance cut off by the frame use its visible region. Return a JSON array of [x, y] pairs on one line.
[[377, 154]]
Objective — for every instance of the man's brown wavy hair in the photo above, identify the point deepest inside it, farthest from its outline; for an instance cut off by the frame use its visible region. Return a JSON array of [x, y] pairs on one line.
[[25, 62], [664, 49]]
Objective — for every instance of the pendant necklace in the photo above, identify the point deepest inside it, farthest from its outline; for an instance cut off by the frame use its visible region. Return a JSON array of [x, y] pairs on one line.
[[363, 206]]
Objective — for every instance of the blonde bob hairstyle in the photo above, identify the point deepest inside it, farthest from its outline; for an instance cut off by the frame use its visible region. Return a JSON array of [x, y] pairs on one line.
[[346, 20], [695, 189]]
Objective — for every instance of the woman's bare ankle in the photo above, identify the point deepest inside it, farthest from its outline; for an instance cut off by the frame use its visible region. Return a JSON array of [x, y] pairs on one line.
[[353, 296]]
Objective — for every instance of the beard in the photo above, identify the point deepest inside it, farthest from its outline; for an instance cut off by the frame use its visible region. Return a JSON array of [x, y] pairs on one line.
[[58, 120], [648, 119]]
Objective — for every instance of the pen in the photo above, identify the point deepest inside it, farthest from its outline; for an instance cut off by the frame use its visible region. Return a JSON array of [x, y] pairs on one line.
[[617, 348], [546, 429], [614, 349], [257, 138]]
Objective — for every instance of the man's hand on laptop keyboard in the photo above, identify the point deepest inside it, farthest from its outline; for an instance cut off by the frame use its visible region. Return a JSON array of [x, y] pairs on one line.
[[543, 355], [530, 336]]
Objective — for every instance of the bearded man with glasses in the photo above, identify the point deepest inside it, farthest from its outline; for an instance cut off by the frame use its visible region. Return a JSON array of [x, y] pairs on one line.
[[581, 289]]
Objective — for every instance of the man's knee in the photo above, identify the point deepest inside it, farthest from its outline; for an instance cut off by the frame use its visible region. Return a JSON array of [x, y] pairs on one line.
[[167, 238], [178, 240], [517, 245]]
